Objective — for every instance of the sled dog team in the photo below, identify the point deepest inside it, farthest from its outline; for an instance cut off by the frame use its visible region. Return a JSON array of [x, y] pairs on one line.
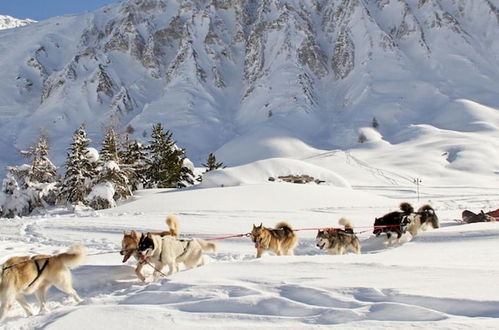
[[36, 274]]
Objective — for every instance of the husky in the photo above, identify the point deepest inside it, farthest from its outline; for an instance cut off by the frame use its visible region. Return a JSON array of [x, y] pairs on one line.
[[424, 217], [130, 243], [26, 275], [394, 222], [172, 251], [281, 240], [338, 241]]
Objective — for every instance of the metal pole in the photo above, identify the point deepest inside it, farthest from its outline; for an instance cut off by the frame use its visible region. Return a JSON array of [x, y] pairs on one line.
[[417, 181]]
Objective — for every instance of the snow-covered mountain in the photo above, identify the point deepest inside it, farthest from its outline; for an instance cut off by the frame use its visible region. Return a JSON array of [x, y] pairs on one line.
[[8, 22], [224, 74]]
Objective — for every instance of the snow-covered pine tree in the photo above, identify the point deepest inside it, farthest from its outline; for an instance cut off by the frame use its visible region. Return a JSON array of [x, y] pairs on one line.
[[33, 185], [80, 171], [110, 147], [186, 171], [134, 163], [112, 184], [166, 161], [13, 200]]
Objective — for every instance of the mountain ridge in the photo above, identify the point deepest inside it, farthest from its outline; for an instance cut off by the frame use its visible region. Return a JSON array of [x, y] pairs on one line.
[[9, 22], [217, 71]]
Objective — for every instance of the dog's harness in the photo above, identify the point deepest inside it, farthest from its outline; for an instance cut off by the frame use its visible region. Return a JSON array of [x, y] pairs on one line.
[[38, 269], [404, 223], [186, 248]]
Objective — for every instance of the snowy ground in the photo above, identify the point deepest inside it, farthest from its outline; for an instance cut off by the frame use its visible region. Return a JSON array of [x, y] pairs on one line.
[[445, 278]]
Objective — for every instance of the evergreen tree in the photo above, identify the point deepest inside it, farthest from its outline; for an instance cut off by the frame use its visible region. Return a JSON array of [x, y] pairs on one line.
[[166, 161], [30, 186], [110, 147], [374, 123], [112, 173], [13, 200], [111, 185], [40, 169], [80, 171], [134, 163], [111, 182], [211, 163]]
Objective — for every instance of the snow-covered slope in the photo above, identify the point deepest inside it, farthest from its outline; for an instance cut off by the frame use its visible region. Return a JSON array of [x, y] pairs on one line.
[[227, 74], [8, 22]]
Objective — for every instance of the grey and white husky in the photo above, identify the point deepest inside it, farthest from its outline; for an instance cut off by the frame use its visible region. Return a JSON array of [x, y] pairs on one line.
[[338, 241]]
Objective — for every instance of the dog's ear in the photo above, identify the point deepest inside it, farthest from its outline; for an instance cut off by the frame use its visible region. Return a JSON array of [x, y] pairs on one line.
[[261, 225], [254, 226], [125, 233], [133, 233], [149, 235]]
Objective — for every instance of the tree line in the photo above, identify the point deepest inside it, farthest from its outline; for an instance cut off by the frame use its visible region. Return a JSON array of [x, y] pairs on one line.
[[96, 179]]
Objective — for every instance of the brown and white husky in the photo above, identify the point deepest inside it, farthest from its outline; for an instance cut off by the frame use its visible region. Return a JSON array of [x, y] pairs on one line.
[[281, 240], [36, 274]]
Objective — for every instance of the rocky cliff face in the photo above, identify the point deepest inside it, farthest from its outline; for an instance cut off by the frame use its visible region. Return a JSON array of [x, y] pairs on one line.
[[319, 69]]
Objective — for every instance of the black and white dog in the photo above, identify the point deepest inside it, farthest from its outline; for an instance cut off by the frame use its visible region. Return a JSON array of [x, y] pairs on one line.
[[394, 222], [424, 217], [172, 251]]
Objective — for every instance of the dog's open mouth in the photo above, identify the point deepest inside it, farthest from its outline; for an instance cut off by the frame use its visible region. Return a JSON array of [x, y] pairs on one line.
[[128, 254]]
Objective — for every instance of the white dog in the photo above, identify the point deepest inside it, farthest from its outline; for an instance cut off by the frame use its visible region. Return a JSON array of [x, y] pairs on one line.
[[172, 251]]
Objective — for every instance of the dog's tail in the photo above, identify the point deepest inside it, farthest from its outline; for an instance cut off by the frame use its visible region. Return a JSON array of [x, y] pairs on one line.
[[346, 222], [406, 208], [282, 225], [207, 246], [172, 223], [74, 257]]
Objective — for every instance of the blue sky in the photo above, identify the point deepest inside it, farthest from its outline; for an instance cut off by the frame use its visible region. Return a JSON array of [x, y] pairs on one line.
[[43, 9]]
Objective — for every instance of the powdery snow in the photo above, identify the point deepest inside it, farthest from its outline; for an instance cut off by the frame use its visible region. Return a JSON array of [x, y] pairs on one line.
[[92, 154], [444, 278]]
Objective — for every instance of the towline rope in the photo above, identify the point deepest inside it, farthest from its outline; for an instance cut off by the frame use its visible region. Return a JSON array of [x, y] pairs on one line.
[[226, 237], [44, 258], [219, 238]]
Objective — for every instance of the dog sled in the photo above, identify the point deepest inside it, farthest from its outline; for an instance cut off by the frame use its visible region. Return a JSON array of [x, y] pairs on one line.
[[471, 217], [494, 214]]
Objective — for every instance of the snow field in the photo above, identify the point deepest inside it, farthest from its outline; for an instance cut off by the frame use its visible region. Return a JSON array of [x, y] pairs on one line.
[[443, 278]]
